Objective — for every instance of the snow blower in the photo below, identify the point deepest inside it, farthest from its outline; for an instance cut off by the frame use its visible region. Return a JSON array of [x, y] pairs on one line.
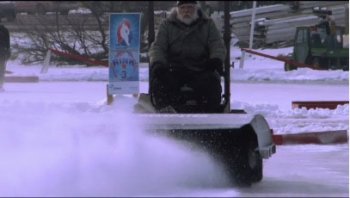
[[240, 141]]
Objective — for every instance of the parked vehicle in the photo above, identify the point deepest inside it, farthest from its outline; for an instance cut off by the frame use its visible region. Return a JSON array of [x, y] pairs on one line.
[[322, 46]]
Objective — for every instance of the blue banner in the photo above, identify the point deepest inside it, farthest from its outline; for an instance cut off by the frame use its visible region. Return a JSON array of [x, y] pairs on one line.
[[124, 53]]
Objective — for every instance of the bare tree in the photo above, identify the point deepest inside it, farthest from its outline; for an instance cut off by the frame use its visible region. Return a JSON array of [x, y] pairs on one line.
[[78, 34]]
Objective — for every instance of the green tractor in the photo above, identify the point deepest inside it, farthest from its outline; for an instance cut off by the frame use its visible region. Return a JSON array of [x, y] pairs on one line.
[[323, 46]]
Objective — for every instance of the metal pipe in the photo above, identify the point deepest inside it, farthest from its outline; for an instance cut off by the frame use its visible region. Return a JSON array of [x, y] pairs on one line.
[[283, 59], [252, 26]]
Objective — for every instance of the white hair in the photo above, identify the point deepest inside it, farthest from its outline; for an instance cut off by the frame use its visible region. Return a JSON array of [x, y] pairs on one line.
[[188, 21]]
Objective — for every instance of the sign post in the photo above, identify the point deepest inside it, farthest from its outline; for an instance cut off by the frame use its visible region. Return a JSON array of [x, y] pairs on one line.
[[124, 54]]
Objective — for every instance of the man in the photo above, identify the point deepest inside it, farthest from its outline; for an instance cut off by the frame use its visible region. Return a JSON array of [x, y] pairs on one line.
[[188, 51], [4, 52]]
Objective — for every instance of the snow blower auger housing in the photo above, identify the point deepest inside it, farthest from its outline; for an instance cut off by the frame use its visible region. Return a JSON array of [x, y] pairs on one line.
[[240, 141]]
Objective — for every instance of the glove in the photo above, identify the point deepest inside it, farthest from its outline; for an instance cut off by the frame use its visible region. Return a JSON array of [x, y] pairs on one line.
[[158, 70], [214, 64], [163, 74]]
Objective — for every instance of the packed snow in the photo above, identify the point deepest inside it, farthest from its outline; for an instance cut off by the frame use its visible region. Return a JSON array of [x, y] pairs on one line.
[[311, 83]]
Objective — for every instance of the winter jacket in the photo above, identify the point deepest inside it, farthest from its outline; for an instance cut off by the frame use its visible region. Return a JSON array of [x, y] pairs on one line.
[[189, 46], [4, 42]]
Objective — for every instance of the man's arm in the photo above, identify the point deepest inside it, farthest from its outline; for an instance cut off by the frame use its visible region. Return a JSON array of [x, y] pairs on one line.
[[8, 39], [158, 49], [217, 47]]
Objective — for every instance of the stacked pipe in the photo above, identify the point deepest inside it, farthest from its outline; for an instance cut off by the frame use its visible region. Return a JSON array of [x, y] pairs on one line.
[[276, 24]]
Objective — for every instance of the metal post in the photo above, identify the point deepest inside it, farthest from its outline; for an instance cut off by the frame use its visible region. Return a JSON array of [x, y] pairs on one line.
[[150, 23], [150, 37], [241, 60], [251, 35], [227, 39], [46, 64], [252, 26], [110, 97]]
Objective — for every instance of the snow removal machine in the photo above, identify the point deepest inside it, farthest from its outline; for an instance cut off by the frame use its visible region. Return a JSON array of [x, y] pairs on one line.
[[238, 140]]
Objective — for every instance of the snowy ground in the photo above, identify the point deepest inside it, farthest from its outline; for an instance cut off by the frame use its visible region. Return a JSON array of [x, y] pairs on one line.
[[58, 138]]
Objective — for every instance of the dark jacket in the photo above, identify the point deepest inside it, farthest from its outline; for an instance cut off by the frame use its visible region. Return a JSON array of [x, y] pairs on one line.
[[178, 44], [4, 42]]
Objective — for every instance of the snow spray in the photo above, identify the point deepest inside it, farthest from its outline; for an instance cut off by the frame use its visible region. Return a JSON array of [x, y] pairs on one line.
[[86, 150]]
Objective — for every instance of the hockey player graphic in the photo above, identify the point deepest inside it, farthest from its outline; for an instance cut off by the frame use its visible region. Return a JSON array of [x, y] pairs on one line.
[[124, 33]]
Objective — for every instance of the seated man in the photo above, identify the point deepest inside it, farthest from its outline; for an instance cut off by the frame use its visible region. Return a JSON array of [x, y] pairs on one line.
[[188, 51]]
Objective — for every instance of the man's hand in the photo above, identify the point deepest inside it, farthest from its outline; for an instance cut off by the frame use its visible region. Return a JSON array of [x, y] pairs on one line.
[[163, 74], [214, 64], [159, 70]]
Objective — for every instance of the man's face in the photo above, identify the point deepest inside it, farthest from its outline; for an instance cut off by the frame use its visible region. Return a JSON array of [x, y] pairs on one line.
[[187, 13], [187, 10]]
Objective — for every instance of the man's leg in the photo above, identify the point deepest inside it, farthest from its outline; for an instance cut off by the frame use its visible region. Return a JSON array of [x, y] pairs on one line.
[[207, 86], [164, 91], [159, 94]]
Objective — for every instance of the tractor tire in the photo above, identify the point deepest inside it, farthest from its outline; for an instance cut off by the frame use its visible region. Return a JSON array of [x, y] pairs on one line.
[[316, 63], [288, 67], [344, 62], [255, 162], [246, 165]]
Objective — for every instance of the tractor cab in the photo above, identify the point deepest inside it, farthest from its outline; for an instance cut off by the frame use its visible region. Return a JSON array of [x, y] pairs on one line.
[[324, 45]]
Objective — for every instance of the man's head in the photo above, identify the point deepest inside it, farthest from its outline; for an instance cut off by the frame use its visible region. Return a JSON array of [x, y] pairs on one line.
[[187, 11], [178, 3]]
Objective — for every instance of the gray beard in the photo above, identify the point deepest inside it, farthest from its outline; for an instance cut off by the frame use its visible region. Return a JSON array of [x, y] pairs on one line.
[[186, 20]]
